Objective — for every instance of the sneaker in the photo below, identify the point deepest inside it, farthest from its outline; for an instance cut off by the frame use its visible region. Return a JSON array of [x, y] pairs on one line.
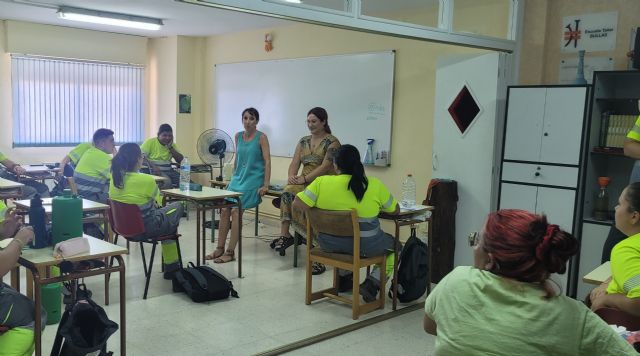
[[345, 283], [369, 290]]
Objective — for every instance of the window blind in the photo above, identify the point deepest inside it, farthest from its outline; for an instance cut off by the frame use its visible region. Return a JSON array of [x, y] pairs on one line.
[[61, 102]]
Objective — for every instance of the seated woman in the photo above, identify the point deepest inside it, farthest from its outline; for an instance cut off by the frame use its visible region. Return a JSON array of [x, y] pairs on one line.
[[16, 310], [506, 305], [315, 153], [622, 290], [251, 178], [130, 187], [351, 189]]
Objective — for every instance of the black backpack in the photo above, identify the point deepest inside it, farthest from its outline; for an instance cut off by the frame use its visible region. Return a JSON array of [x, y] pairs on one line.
[[413, 270], [202, 284], [83, 329]]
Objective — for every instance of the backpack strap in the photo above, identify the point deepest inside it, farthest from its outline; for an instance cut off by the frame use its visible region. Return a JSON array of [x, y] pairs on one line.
[[57, 343], [197, 275]]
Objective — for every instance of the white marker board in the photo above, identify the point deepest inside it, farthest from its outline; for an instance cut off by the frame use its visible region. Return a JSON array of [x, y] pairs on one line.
[[355, 89]]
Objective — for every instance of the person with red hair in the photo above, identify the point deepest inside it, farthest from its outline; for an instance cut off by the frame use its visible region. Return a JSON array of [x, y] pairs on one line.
[[506, 305]]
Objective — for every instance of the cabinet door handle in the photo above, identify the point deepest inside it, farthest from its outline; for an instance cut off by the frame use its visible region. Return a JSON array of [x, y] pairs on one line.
[[537, 174], [546, 134], [538, 168]]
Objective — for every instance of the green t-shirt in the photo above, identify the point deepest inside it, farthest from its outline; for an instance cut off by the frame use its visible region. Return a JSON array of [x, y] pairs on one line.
[[156, 151], [480, 313], [634, 134], [332, 193], [625, 267], [2, 157], [76, 153]]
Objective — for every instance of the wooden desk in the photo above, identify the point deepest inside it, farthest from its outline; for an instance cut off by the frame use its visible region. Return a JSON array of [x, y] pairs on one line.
[[10, 189], [88, 206], [598, 275], [403, 218], [208, 199], [37, 260], [271, 192]]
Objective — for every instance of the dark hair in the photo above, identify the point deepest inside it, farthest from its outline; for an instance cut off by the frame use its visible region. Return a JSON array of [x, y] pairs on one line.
[[526, 247], [165, 128], [633, 196], [100, 135], [253, 112], [124, 161], [348, 161], [322, 115]]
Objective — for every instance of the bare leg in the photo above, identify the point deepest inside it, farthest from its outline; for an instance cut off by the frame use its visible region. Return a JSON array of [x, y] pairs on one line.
[[223, 229], [284, 228], [235, 229]]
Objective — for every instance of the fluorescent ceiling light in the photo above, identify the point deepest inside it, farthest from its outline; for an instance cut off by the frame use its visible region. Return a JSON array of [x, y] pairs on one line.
[[109, 18], [294, 1]]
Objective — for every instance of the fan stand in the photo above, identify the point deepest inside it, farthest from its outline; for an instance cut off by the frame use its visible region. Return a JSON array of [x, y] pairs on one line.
[[219, 178]]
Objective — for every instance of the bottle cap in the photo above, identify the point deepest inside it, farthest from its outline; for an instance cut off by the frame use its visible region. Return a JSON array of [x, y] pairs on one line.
[[604, 181]]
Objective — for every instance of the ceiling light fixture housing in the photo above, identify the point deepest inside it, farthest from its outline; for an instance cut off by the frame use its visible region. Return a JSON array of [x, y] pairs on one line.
[[109, 18]]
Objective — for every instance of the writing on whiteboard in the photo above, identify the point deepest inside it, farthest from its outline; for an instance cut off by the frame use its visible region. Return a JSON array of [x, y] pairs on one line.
[[375, 111]]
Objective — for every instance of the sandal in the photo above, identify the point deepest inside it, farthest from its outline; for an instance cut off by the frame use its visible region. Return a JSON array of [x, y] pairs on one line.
[[283, 242], [228, 256], [317, 268], [219, 251]]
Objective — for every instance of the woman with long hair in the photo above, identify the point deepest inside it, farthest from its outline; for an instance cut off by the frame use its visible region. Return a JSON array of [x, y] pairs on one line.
[[252, 172], [352, 189], [131, 187], [506, 305]]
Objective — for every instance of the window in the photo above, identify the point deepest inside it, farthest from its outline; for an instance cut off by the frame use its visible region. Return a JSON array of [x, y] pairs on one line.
[[61, 102]]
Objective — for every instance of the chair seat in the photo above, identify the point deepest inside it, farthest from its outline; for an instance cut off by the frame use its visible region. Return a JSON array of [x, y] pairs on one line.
[[342, 257]]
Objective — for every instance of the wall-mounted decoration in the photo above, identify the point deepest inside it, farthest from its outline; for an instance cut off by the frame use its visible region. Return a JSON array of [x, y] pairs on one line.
[[184, 103], [464, 109], [589, 32], [569, 66]]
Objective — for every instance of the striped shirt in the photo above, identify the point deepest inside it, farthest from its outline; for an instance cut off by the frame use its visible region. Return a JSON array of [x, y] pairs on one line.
[[92, 173], [138, 188], [625, 267], [332, 193], [157, 153]]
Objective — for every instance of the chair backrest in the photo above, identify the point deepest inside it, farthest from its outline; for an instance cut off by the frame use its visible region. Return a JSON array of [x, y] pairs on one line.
[[336, 223], [620, 318], [72, 185], [126, 219]]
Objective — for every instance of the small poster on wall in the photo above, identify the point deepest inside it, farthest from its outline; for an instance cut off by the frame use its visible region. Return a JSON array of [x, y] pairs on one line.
[[569, 68], [590, 32]]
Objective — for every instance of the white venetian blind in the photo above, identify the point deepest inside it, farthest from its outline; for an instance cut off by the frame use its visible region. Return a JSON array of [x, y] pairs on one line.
[[61, 102]]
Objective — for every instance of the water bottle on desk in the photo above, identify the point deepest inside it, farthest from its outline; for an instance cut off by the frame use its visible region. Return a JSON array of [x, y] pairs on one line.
[[37, 220], [408, 197], [185, 174]]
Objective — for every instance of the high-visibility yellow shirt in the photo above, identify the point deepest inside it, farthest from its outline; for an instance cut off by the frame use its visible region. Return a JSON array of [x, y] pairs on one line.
[[138, 188], [3, 210], [634, 134], [93, 171], [76, 153], [625, 268]]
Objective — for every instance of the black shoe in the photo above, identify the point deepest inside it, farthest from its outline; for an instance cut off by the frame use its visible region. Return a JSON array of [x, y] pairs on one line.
[[345, 283], [169, 274], [369, 290]]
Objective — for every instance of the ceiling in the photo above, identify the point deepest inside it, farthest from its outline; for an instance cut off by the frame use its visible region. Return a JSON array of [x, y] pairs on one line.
[[179, 18]]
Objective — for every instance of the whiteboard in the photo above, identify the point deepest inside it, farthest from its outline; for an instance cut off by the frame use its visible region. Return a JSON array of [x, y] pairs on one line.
[[355, 89]]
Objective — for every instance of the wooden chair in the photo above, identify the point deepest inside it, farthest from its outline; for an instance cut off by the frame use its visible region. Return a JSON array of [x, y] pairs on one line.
[[126, 221], [620, 318], [341, 224]]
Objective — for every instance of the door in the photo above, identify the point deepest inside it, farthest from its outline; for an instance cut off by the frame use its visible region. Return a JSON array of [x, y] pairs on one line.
[[525, 116], [469, 157], [518, 196], [562, 129]]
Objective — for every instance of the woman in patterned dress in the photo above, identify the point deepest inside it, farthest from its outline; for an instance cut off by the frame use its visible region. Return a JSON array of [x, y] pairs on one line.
[[251, 178], [315, 154]]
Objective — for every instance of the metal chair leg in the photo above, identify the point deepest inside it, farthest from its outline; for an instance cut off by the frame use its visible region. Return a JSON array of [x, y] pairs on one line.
[[144, 260], [146, 285], [179, 252]]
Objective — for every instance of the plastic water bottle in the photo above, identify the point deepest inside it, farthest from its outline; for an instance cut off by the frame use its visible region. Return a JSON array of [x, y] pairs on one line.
[[185, 174], [408, 197]]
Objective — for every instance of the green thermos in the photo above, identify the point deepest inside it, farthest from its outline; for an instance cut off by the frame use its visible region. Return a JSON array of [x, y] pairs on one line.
[[66, 217]]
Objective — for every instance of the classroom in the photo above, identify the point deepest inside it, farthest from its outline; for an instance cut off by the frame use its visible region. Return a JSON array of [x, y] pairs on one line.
[[494, 104]]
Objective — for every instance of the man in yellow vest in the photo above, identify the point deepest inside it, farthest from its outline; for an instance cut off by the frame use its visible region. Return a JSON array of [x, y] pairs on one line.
[[12, 171], [159, 151], [92, 173]]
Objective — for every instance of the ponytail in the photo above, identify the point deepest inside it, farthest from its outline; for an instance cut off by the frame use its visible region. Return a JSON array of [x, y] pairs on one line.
[[348, 161], [124, 161]]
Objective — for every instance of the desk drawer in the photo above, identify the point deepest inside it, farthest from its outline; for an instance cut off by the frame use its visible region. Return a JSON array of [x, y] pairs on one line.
[[540, 174]]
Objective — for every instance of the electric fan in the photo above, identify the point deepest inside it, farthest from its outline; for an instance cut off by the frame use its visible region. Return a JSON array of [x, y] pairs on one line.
[[215, 148]]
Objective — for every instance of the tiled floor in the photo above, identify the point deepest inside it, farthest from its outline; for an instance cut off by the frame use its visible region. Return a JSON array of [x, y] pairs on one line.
[[270, 312]]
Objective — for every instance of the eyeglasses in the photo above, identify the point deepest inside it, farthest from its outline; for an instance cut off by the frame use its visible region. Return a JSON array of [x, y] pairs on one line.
[[473, 238]]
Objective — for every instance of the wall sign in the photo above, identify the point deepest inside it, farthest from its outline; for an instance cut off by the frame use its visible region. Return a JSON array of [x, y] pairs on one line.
[[590, 32]]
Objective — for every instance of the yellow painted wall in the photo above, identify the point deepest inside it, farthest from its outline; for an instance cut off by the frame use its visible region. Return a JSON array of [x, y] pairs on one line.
[[541, 52]]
